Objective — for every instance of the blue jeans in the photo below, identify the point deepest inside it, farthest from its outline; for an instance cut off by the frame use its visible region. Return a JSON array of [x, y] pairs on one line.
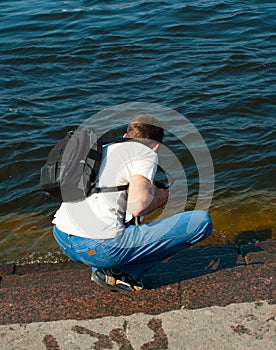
[[138, 248]]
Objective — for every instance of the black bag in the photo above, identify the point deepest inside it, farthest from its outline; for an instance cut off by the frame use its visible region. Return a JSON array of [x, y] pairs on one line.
[[70, 171]]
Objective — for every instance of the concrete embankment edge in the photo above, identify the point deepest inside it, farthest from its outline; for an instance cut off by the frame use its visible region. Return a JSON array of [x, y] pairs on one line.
[[236, 326]]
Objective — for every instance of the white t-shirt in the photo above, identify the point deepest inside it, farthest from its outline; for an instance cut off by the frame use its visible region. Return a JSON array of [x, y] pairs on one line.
[[103, 215]]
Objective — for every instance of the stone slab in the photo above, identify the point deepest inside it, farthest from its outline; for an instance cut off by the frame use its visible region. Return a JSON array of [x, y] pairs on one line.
[[69, 294], [196, 278], [237, 285], [238, 326]]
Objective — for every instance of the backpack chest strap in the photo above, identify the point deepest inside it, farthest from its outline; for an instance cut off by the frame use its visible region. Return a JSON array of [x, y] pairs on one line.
[[109, 189]]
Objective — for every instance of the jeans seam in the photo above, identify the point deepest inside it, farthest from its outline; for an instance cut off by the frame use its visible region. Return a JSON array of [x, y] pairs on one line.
[[61, 242]]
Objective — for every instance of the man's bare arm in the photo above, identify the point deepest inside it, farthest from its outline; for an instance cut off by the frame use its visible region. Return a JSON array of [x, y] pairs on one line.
[[144, 197]]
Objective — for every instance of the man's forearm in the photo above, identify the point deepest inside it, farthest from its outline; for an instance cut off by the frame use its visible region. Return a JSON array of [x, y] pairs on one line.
[[155, 198]]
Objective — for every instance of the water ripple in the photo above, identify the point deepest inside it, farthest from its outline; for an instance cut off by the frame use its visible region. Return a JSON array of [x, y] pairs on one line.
[[213, 61]]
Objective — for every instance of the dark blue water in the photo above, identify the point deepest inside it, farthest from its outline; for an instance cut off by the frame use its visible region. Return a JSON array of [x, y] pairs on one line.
[[211, 61]]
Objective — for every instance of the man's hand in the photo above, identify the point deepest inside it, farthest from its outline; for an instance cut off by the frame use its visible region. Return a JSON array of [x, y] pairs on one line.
[[144, 197], [162, 195]]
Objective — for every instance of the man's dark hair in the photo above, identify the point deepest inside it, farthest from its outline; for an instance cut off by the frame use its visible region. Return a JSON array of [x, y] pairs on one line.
[[145, 126]]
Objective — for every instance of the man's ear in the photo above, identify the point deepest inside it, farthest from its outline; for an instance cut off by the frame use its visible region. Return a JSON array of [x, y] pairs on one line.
[[124, 136], [155, 146]]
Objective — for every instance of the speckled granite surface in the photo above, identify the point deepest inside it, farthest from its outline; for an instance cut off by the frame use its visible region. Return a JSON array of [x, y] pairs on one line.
[[195, 278]]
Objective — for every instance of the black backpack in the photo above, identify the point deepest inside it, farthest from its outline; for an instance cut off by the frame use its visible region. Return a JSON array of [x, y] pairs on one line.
[[71, 169]]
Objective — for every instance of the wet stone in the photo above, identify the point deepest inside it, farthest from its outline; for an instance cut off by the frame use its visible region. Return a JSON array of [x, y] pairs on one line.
[[51, 268], [6, 269]]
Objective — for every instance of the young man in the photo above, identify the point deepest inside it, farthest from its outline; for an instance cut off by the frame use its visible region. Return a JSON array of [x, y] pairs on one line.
[[98, 232]]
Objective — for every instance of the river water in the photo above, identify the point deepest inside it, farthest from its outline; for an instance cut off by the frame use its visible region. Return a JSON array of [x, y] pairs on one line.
[[210, 61]]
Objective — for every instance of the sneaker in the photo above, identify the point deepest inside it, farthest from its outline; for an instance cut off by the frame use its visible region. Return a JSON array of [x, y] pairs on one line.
[[116, 281]]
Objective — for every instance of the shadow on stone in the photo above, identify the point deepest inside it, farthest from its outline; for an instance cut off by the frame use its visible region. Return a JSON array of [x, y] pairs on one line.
[[195, 262]]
